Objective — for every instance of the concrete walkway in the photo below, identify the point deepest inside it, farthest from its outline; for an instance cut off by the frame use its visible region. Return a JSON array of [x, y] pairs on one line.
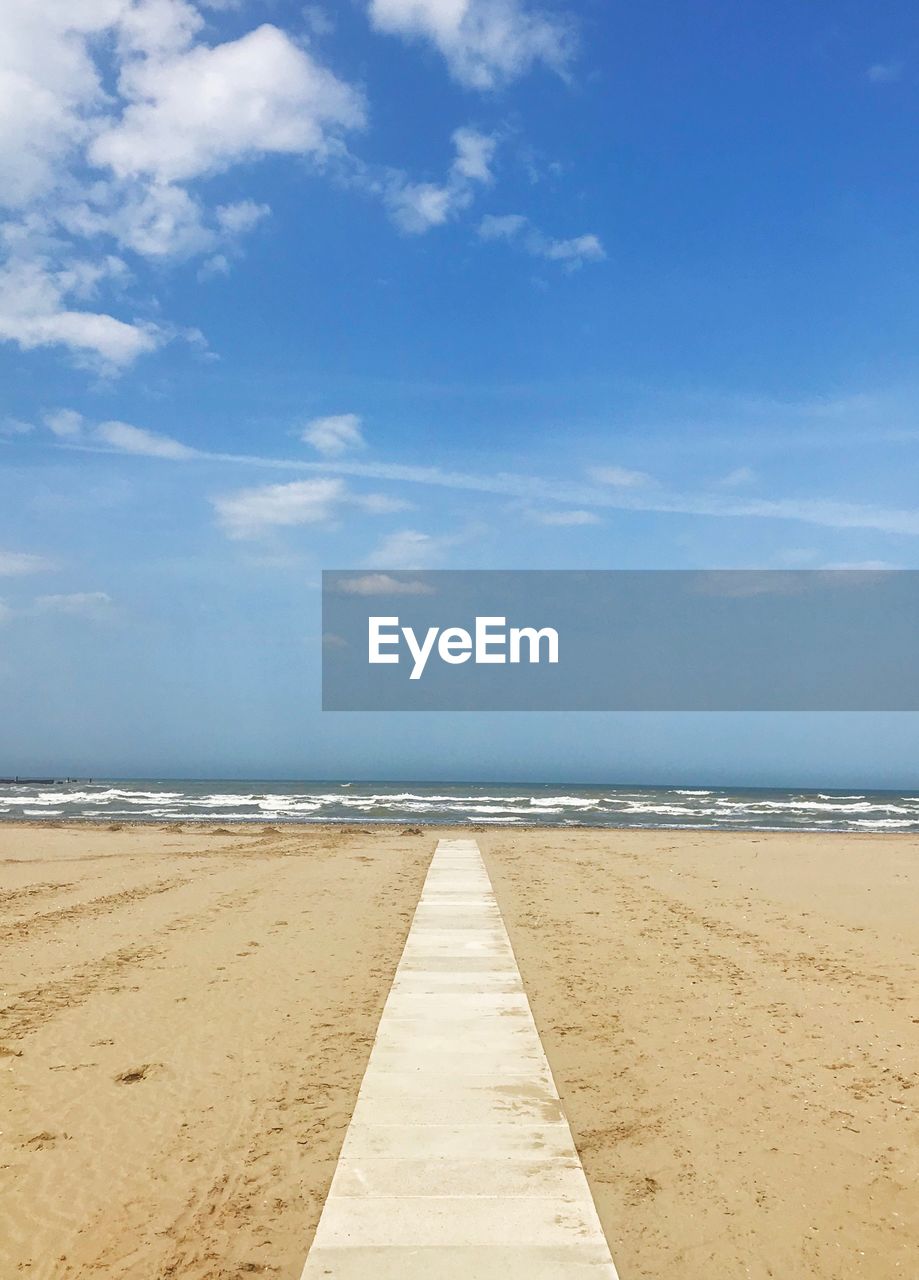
[[458, 1163]]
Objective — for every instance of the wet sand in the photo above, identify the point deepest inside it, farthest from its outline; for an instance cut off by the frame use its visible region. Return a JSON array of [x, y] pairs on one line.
[[186, 1015]]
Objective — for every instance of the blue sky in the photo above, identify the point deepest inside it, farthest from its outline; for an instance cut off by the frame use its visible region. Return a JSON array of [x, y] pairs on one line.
[[436, 283]]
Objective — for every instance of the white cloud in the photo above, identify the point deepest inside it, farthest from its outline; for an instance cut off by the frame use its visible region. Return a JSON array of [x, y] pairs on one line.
[[863, 566], [34, 313], [577, 250], [415, 207], [15, 427], [70, 426], [241, 216], [128, 111], [136, 440], [127, 88], [407, 549], [563, 518], [18, 563], [379, 504], [738, 477], [332, 641], [635, 497], [318, 19], [334, 435], [621, 477], [53, 88], [474, 155], [49, 89], [84, 604], [249, 513], [66, 423], [206, 109], [506, 226], [884, 72], [383, 584], [515, 228], [618, 489], [157, 27], [217, 265], [486, 43], [156, 221]]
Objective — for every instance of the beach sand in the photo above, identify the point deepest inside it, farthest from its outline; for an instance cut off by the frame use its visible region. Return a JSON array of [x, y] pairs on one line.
[[186, 1015], [194, 1012], [733, 1025]]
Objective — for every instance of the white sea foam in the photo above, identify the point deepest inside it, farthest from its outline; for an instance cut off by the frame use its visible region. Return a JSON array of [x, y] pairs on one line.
[[294, 804], [673, 810], [567, 802], [667, 808], [882, 823], [486, 809]]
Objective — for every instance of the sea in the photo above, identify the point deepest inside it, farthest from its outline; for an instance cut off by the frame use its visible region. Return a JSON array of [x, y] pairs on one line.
[[513, 804]]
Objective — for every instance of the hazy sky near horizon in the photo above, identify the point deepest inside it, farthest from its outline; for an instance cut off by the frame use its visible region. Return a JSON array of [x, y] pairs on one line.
[[437, 283]]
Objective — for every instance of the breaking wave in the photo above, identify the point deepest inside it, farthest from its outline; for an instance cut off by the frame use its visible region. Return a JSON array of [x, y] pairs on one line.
[[354, 802]]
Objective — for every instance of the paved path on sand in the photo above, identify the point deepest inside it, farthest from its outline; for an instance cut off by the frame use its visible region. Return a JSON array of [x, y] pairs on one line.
[[458, 1162]]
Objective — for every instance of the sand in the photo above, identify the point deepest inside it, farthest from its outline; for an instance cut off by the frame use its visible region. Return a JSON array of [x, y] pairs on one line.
[[186, 1015], [194, 1013], [734, 1029]]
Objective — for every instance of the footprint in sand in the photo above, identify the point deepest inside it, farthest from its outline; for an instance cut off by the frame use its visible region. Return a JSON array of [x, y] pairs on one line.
[[135, 1074]]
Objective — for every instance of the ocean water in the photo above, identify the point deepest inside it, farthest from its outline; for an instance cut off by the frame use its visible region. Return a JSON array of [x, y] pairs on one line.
[[548, 805]]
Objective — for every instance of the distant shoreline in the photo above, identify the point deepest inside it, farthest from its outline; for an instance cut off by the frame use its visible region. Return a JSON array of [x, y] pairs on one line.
[[523, 784]]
